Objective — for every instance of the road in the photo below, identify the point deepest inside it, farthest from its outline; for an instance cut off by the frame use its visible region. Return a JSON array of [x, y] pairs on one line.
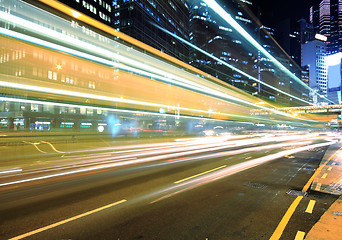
[[228, 187]]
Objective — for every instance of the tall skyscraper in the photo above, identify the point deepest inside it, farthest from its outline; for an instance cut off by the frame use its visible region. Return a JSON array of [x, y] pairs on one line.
[[220, 40], [326, 15], [336, 26], [140, 18], [100, 10], [313, 56]]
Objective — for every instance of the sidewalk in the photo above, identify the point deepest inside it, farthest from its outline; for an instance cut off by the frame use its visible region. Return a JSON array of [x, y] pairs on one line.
[[329, 226], [329, 180]]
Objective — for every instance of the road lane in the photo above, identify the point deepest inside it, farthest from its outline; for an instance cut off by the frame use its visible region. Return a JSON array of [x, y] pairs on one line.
[[52, 201]]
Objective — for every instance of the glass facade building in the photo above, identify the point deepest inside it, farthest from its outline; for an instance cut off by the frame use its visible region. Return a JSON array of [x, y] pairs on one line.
[[143, 20]]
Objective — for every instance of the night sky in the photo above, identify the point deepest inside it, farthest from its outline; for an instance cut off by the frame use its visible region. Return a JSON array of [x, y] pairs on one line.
[[274, 11]]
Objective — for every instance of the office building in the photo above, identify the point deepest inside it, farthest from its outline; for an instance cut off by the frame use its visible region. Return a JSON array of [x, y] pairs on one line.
[[142, 20], [334, 76], [326, 16], [217, 38], [314, 59], [100, 10]]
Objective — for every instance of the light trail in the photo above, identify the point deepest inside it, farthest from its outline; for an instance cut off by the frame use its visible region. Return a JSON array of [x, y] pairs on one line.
[[233, 68], [166, 77], [98, 97], [162, 154], [162, 75], [102, 108], [228, 18], [228, 171]]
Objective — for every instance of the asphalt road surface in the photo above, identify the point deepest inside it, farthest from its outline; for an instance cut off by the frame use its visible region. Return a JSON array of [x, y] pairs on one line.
[[230, 187]]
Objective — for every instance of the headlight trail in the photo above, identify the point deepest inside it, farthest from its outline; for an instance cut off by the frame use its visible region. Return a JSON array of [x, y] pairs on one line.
[[227, 18], [231, 67], [225, 172], [105, 162]]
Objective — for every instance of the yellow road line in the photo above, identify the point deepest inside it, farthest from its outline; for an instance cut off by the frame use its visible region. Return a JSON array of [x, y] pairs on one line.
[[324, 175], [300, 235], [200, 174], [53, 148], [310, 207], [35, 145], [66, 221], [329, 169], [281, 227], [307, 185]]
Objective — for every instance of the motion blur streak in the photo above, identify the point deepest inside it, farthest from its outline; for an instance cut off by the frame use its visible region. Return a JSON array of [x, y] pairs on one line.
[[98, 108], [168, 77], [222, 173], [108, 161], [227, 17], [231, 66], [161, 75]]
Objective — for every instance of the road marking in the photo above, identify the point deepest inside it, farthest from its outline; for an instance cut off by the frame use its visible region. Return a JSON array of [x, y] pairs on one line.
[[35, 145], [329, 169], [200, 174], [300, 235], [66, 220], [281, 227], [53, 148], [324, 175], [310, 207], [307, 185]]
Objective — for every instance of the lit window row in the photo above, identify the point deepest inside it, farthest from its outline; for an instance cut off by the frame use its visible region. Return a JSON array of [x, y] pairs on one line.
[[105, 5], [90, 7]]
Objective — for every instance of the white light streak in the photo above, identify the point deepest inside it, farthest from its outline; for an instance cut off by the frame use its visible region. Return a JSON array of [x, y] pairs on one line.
[[227, 17]]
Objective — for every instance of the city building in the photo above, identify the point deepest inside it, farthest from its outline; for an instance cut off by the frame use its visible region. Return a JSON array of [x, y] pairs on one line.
[[214, 37], [142, 20], [263, 77], [100, 10], [326, 16], [334, 76], [314, 59], [145, 19]]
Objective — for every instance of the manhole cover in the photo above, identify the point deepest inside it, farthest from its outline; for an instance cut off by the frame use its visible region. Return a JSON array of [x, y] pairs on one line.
[[297, 193]]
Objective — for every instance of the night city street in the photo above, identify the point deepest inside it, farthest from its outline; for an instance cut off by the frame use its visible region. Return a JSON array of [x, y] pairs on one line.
[[170, 119]]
